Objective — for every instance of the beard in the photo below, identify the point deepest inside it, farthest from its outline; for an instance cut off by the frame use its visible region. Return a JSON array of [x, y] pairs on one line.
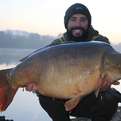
[[77, 34]]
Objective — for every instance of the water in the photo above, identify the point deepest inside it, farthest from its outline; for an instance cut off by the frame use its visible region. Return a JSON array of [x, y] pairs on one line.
[[25, 105], [12, 56]]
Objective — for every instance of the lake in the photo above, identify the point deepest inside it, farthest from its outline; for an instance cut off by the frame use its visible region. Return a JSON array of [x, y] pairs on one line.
[[12, 56]]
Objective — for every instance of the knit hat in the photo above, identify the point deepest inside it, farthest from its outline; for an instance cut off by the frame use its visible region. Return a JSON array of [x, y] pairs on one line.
[[74, 9]]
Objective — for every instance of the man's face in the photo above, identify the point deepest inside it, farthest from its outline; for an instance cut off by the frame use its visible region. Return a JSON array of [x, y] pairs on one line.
[[77, 25]]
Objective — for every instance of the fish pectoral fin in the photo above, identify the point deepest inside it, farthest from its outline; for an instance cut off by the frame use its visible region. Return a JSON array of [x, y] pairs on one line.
[[72, 103]]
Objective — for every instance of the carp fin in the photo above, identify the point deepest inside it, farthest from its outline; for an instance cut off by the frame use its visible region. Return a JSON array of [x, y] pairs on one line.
[[72, 103], [7, 93]]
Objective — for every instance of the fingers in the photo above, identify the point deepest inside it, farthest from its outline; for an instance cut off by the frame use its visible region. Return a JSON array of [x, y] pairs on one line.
[[116, 83], [105, 84], [31, 87]]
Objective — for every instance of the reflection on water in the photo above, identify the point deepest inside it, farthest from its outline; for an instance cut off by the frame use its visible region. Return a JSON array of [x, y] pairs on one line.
[[25, 107], [11, 55]]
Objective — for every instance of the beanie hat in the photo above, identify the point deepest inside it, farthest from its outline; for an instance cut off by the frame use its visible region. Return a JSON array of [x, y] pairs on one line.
[[74, 9]]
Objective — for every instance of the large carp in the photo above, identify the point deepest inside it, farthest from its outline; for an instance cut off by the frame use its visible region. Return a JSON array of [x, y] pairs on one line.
[[63, 71]]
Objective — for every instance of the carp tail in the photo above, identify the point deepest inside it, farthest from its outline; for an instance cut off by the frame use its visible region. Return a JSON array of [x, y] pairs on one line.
[[7, 93]]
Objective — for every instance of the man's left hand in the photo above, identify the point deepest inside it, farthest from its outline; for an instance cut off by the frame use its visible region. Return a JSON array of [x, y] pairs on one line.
[[106, 84]]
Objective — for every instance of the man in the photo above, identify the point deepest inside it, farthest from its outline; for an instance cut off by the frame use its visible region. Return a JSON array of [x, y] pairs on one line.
[[77, 22]]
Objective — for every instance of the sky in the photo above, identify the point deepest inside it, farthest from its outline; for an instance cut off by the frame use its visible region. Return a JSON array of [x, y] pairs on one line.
[[47, 16]]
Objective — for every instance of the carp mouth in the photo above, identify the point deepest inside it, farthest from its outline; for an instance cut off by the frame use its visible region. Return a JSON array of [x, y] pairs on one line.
[[6, 97]]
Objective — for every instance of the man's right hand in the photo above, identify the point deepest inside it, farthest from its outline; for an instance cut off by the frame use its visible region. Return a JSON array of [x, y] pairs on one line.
[[31, 87]]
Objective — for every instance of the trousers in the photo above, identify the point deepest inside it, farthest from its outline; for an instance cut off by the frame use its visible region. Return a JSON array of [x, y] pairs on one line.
[[99, 108]]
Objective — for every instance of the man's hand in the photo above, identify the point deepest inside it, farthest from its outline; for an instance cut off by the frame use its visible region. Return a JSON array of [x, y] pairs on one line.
[[31, 87], [106, 83], [116, 83]]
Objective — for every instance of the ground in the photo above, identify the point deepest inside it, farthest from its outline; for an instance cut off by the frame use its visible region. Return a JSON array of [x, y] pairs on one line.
[[116, 117]]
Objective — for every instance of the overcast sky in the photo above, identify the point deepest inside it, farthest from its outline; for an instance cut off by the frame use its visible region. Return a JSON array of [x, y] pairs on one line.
[[46, 16]]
